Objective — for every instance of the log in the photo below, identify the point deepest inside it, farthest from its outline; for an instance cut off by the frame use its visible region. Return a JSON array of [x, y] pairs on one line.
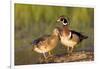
[[74, 57]]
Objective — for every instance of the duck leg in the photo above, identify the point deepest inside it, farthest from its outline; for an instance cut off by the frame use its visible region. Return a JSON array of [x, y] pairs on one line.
[[44, 55], [71, 50], [50, 54], [45, 58], [68, 51]]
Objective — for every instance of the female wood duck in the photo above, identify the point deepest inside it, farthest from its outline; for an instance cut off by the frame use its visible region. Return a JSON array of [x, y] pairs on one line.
[[46, 43], [69, 38]]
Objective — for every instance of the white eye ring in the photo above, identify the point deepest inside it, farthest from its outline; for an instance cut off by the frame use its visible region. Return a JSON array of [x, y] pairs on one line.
[[65, 23]]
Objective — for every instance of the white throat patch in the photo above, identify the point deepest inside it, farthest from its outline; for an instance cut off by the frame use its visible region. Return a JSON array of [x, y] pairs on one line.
[[69, 35], [65, 23]]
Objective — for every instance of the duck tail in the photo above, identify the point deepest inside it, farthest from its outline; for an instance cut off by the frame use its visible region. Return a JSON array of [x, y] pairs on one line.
[[34, 42], [83, 37]]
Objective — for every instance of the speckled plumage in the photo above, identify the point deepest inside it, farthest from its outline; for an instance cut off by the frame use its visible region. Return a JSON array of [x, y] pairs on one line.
[[46, 43]]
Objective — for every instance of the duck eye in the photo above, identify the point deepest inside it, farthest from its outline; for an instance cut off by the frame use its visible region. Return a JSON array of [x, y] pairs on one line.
[[61, 19]]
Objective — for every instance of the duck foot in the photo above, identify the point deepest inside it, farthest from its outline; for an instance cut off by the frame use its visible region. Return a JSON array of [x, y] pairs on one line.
[[49, 59]]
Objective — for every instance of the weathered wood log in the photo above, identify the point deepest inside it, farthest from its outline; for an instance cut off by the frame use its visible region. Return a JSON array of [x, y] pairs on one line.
[[75, 56]]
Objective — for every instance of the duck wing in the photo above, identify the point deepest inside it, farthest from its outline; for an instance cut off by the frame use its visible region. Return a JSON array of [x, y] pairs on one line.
[[81, 36], [40, 39]]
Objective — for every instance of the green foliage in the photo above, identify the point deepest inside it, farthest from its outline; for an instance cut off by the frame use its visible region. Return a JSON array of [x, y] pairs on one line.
[[32, 21]]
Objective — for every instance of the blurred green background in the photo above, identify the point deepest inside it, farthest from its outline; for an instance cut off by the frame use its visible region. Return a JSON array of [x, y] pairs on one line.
[[33, 21]]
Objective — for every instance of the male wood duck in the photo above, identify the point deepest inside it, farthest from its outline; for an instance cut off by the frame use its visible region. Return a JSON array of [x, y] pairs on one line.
[[46, 43], [69, 38]]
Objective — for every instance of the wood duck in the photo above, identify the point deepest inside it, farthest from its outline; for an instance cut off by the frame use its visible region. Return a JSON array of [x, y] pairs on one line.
[[46, 43], [69, 38]]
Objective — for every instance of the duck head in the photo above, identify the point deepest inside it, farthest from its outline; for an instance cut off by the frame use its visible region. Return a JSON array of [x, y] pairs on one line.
[[56, 31], [63, 20]]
